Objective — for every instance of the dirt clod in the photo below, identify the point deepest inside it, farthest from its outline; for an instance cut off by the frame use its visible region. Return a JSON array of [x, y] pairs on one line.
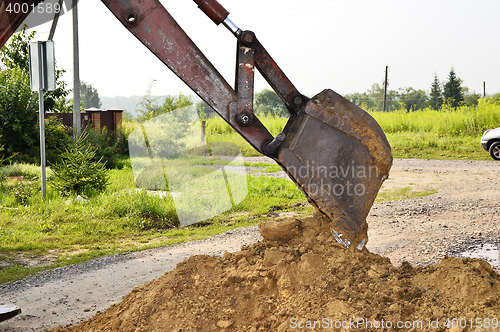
[[300, 276]]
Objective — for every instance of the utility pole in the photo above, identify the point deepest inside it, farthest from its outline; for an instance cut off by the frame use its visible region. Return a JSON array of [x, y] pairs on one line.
[[484, 89], [76, 75], [385, 89]]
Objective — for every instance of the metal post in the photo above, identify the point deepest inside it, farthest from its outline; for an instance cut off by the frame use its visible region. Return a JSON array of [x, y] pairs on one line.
[[76, 76], [385, 90], [41, 113]]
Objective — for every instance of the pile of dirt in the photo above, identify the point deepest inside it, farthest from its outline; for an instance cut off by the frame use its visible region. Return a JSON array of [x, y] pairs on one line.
[[298, 278]]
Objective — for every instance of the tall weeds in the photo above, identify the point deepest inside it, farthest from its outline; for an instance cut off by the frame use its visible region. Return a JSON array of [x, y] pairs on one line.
[[463, 121]]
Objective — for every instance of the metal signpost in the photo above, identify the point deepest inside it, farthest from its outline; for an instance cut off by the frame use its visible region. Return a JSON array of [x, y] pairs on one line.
[[42, 78]]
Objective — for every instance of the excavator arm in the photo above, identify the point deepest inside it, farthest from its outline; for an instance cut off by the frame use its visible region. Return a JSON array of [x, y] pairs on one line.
[[335, 152], [11, 19]]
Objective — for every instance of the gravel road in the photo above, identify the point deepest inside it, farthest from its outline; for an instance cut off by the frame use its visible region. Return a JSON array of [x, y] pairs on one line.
[[462, 215]]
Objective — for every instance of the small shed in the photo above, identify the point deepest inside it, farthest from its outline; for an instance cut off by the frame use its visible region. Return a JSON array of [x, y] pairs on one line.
[[110, 118]]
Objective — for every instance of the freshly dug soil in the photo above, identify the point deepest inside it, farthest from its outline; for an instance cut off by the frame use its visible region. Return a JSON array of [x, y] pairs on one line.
[[299, 279]]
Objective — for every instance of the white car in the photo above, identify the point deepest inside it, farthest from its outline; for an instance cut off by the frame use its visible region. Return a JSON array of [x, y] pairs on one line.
[[491, 142]]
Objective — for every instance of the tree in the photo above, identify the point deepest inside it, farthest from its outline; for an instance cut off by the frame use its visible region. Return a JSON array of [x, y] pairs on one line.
[[78, 172], [470, 98], [436, 96], [413, 99], [453, 91], [362, 100], [18, 117], [267, 102], [15, 54], [19, 105], [89, 96], [496, 98], [376, 93], [204, 110], [172, 103], [150, 108]]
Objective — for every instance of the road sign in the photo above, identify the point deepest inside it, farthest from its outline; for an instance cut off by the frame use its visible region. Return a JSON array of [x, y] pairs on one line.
[[42, 52]]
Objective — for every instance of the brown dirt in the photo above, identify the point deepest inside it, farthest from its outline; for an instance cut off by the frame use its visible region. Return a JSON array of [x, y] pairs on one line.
[[301, 279]]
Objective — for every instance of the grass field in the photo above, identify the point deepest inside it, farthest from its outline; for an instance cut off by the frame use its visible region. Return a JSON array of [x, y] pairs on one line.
[[445, 134]]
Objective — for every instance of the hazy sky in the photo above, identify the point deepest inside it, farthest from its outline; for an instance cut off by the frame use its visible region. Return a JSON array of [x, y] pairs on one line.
[[339, 44]]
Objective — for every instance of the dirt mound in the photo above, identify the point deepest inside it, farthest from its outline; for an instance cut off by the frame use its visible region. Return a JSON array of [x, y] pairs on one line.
[[298, 278]]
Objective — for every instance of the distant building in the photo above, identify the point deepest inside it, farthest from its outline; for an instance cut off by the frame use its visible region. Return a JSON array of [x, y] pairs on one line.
[[94, 117]]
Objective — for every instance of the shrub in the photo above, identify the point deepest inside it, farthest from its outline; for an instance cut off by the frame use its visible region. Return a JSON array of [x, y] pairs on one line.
[[104, 144], [56, 138], [110, 145], [78, 172], [18, 118]]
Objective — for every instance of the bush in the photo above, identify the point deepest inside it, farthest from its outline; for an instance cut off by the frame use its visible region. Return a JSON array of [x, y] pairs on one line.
[[56, 139], [77, 172], [18, 118], [104, 143], [110, 145]]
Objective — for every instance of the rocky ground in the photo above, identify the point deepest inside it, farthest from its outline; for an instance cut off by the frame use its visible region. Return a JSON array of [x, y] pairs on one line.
[[462, 215]]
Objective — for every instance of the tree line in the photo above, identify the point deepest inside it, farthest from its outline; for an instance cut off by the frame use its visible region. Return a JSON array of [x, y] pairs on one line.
[[451, 93]]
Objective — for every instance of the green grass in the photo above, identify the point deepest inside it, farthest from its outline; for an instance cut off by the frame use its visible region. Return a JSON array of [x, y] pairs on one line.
[[26, 170], [428, 145], [463, 121], [218, 130], [444, 134]]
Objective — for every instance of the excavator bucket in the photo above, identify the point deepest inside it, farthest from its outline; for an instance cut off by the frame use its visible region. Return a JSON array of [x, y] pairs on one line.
[[338, 156]]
